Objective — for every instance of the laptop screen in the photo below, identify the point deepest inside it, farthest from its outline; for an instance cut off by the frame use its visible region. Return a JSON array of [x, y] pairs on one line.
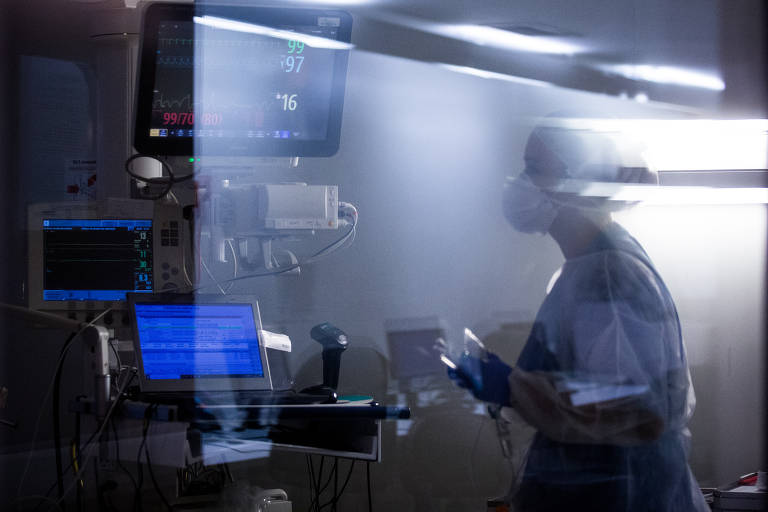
[[196, 346]]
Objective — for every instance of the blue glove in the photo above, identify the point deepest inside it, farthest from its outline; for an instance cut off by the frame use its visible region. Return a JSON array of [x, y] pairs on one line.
[[488, 380]]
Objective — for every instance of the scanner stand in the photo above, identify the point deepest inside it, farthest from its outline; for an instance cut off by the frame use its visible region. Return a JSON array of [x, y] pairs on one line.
[[331, 369]]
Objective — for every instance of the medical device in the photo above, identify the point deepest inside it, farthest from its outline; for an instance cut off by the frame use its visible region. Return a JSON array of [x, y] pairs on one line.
[[277, 209], [241, 81], [217, 82], [245, 220], [334, 342], [87, 256]]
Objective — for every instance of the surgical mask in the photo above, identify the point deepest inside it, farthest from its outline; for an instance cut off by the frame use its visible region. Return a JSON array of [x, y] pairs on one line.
[[526, 207]]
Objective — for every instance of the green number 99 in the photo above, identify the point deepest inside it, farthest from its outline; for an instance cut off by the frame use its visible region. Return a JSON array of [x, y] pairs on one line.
[[295, 46]]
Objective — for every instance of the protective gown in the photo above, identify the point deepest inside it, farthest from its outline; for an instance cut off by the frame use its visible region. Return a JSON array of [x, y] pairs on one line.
[[603, 378]]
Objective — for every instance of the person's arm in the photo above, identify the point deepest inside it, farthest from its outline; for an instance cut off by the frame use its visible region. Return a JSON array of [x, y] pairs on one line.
[[623, 421], [624, 379], [565, 408]]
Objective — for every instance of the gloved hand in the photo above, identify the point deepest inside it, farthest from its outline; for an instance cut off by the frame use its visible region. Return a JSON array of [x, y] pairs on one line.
[[487, 379]]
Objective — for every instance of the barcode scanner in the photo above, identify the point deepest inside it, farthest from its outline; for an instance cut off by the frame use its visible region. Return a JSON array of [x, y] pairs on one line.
[[334, 342]]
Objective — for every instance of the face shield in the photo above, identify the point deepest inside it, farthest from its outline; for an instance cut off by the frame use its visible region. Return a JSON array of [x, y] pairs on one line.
[[569, 167]]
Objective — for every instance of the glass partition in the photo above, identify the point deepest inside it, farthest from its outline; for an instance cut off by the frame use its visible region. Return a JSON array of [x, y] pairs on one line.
[[436, 257]]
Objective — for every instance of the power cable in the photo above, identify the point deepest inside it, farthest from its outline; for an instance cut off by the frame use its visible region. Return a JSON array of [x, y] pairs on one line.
[[168, 181], [320, 490], [368, 479], [147, 417], [53, 383], [88, 444], [337, 497], [328, 249]]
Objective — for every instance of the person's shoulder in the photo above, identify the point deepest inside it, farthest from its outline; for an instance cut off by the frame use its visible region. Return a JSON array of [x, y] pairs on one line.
[[611, 272]]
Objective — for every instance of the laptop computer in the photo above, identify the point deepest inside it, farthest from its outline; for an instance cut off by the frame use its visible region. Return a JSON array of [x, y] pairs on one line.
[[202, 348]]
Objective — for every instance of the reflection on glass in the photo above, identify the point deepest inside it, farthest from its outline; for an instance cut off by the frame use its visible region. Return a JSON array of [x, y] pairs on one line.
[[603, 377]]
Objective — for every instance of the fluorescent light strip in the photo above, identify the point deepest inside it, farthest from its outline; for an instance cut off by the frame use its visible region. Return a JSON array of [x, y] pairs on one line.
[[702, 144], [251, 28], [489, 36], [335, 2], [481, 73], [685, 144], [672, 195], [667, 75]]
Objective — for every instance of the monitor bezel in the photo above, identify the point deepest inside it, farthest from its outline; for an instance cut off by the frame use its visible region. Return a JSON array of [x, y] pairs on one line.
[[156, 13], [199, 386]]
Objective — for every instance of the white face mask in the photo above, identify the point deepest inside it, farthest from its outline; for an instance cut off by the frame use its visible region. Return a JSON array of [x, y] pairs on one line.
[[527, 207]]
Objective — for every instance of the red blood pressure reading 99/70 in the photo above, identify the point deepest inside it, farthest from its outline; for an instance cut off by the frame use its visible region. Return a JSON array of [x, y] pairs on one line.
[[188, 118]]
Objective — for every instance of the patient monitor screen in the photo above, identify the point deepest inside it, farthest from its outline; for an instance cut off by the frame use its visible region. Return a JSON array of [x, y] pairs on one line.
[[96, 259], [241, 81]]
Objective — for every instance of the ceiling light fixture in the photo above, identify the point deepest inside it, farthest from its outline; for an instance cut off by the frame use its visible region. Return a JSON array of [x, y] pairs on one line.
[[670, 195], [667, 75], [251, 28], [489, 36], [482, 73], [327, 3]]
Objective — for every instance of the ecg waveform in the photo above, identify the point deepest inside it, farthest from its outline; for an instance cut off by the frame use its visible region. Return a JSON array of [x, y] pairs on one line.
[[97, 259], [176, 61], [223, 60], [205, 42], [185, 103], [162, 103], [262, 105], [175, 42]]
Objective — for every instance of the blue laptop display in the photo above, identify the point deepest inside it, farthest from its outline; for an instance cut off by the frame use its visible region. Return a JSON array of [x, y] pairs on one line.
[[198, 346]]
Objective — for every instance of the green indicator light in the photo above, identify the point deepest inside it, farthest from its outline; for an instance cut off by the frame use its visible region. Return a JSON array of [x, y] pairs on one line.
[[191, 160]]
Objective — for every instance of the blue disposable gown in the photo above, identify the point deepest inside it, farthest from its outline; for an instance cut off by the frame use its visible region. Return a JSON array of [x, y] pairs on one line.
[[605, 382]]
